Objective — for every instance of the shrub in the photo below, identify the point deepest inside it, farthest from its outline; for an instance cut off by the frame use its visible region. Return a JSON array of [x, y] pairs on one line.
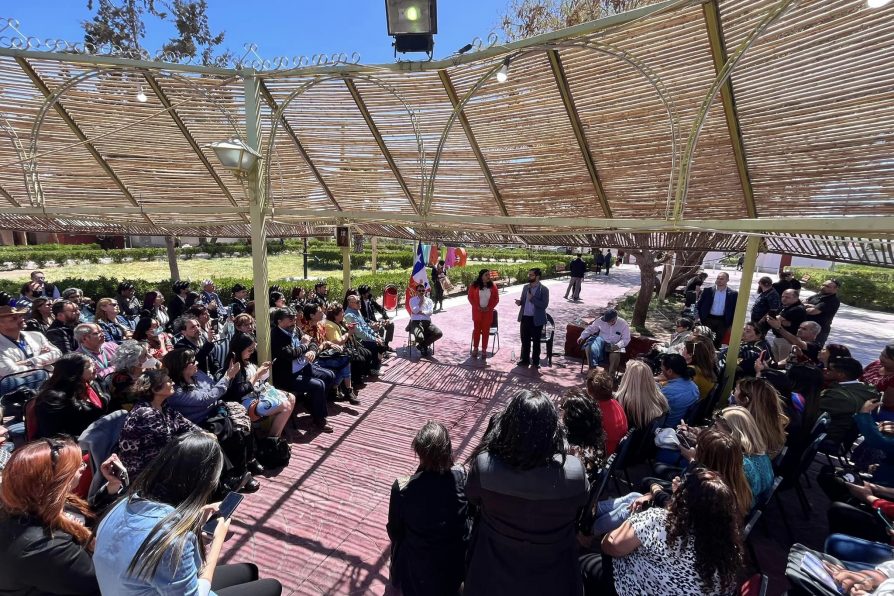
[[862, 286]]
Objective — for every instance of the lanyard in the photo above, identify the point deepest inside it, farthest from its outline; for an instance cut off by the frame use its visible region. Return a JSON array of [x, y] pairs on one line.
[[24, 347]]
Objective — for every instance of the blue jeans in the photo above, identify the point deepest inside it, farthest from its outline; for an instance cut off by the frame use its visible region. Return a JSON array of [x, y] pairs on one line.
[[339, 365], [856, 550], [596, 347], [323, 374], [32, 379], [611, 513]]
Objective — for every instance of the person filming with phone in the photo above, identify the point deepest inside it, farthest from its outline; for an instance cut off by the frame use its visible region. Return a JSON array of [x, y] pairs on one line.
[[151, 542]]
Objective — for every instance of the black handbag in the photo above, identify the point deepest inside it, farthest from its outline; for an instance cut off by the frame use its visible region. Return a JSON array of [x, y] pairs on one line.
[[273, 452]]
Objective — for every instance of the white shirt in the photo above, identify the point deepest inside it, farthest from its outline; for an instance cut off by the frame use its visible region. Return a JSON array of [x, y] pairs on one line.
[[719, 305], [616, 333], [41, 353], [484, 297], [421, 312]]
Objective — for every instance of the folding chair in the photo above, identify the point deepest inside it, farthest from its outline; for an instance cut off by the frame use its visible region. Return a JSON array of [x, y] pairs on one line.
[[547, 336], [756, 585], [493, 336], [791, 478], [411, 337]]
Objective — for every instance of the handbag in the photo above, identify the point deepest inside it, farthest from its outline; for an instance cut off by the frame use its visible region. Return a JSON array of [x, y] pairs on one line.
[[330, 353], [273, 452], [666, 438], [238, 416]]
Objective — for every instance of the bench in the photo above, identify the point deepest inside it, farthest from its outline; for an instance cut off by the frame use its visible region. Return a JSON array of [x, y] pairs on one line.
[[560, 268], [498, 281]]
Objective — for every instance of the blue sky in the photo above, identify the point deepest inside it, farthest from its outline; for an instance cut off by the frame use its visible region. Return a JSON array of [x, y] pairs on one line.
[[283, 28]]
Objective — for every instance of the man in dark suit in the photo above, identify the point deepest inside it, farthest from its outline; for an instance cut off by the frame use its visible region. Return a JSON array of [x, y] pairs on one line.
[[292, 370], [716, 307], [369, 308], [532, 316]]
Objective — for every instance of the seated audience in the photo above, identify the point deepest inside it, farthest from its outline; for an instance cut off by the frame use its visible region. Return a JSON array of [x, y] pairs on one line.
[[804, 344], [129, 362], [154, 303], [292, 370], [682, 332], [149, 543], [368, 336], [151, 423], [45, 541], [199, 398], [71, 399], [61, 331], [277, 300], [362, 360], [92, 343], [84, 304], [41, 316], [211, 299], [251, 389], [332, 355], [21, 350], [757, 465], [614, 420], [370, 309], [693, 547], [699, 353], [844, 398], [520, 466], [150, 332], [678, 388], [753, 347], [191, 338], [320, 296], [297, 297], [607, 334], [583, 423], [27, 293], [244, 323], [115, 327], [128, 303], [240, 298], [640, 396], [177, 304], [44, 288], [428, 521], [764, 404]]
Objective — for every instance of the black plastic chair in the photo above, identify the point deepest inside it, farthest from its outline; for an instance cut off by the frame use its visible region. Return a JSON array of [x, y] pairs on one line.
[[791, 478], [705, 411], [494, 333], [638, 445]]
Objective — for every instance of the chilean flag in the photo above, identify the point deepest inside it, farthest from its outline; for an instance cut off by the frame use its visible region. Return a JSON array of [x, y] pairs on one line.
[[418, 277]]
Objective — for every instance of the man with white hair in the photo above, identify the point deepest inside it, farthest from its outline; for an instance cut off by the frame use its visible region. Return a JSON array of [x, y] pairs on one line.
[[92, 342], [804, 341], [212, 299]]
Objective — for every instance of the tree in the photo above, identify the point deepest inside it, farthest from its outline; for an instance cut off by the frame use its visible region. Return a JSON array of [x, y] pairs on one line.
[[526, 18], [122, 24]]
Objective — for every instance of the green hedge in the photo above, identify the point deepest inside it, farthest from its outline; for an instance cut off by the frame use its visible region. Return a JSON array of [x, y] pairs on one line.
[[105, 287], [865, 287]]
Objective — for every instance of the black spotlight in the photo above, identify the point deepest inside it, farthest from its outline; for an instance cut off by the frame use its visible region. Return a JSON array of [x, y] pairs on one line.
[[412, 24]]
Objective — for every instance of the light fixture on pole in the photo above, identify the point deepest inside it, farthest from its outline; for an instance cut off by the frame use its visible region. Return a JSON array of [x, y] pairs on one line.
[[877, 3], [503, 73], [235, 155], [412, 24]]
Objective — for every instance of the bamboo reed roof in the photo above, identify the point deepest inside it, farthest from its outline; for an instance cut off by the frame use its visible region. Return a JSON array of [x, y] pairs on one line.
[[588, 142]]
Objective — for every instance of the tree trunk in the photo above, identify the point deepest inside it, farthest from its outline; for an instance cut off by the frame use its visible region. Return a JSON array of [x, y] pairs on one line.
[[172, 258], [688, 263], [645, 260]]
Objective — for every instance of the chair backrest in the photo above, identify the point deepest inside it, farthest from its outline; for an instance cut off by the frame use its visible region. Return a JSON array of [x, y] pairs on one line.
[[389, 297], [549, 330], [820, 426], [756, 585], [779, 459], [495, 323], [622, 451], [597, 487], [750, 523], [810, 453]]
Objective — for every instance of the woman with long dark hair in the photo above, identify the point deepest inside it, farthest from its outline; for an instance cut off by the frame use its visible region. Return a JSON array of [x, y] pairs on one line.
[[44, 538], [71, 399], [41, 316], [484, 297], [583, 423], [530, 495], [151, 541], [200, 399], [428, 520], [693, 547], [154, 302]]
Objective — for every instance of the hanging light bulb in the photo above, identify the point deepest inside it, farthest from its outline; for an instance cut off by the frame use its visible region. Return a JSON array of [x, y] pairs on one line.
[[141, 97], [877, 3], [503, 73]]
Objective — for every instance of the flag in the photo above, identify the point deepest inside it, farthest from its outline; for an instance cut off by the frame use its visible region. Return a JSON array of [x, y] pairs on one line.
[[418, 277]]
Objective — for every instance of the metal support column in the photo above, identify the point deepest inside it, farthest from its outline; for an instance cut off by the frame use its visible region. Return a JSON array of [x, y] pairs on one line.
[[375, 250], [258, 215], [305, 258], [735, 336]]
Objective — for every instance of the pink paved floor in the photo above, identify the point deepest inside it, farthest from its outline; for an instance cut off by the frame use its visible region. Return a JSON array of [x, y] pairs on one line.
[[319, 525]]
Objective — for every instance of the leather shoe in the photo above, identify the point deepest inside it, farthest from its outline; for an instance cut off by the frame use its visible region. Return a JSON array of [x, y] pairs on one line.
[[255, 467], [251, 486], [323, 427], [523, 363]]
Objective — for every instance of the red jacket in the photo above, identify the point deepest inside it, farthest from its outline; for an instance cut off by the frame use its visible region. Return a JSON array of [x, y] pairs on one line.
[[475, 301]]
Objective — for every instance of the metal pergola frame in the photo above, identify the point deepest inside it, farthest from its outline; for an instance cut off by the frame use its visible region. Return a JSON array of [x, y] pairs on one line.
[[558, 86]]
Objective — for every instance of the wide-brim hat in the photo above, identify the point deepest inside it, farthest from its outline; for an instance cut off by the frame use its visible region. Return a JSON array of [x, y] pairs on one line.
[[9, 311]]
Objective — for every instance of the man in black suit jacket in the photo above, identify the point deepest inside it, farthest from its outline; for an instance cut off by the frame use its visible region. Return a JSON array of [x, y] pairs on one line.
[[292, 370], [369, 308], [716, 307]]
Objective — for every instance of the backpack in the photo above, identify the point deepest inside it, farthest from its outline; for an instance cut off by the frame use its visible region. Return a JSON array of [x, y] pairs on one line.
[[273, 452]]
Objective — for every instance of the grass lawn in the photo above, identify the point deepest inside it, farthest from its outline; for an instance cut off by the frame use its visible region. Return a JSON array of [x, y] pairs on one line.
[[279, 267]]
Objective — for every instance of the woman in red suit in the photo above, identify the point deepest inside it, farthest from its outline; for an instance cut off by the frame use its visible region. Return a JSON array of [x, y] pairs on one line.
[[483, 296]]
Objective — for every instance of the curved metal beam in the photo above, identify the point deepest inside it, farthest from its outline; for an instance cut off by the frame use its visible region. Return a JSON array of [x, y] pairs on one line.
[[555, 62], [686, 166]]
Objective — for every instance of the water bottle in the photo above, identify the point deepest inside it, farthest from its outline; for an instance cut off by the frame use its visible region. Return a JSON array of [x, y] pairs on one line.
[[512, 356]]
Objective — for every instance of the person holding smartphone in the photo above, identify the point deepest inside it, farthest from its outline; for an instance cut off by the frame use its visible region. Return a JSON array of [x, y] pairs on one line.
[[151, 542]]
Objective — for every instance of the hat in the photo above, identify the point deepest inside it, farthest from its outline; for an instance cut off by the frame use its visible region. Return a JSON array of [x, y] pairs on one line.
[[9, 311], [238, 288], [609, 315]]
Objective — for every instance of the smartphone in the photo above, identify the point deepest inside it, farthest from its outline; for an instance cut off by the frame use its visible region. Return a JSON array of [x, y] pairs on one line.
[[119, 471], [227, 508], [763, 356], [773, 313], [885, 520]]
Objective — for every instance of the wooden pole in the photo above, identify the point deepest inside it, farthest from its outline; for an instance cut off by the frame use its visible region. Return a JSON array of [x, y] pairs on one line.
[[375, 250], [735, 337], [258, 216], [172, 258], [666, 276]]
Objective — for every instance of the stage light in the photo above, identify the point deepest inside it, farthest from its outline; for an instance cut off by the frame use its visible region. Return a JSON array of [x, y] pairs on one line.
[[412, 24]]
